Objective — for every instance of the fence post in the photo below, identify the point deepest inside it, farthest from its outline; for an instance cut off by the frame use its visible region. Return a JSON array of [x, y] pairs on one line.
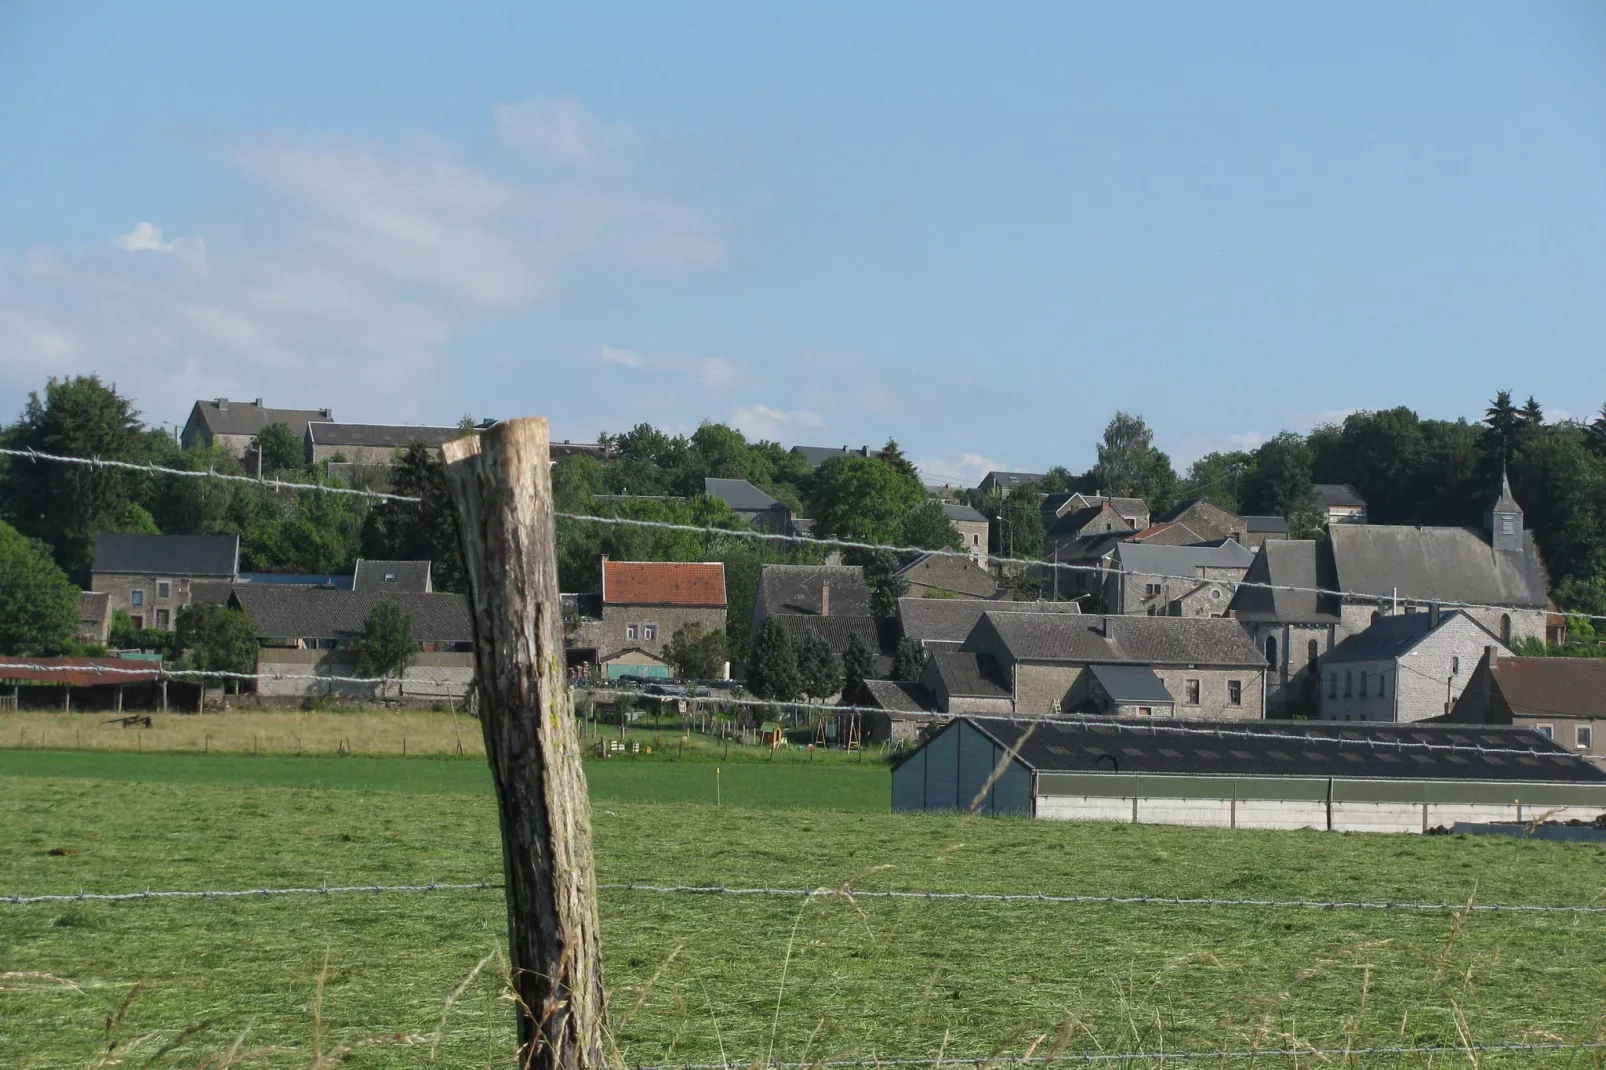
[[501, 486]]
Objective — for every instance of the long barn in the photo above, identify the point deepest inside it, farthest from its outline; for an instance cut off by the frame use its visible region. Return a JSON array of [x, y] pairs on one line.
[[1279, 775]]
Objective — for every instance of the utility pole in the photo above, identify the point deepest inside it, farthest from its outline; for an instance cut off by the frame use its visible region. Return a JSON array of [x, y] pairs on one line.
[[500, 483]]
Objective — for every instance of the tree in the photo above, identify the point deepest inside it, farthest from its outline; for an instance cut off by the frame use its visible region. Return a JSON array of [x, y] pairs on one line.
[[926, 526], [68, 505], [425, 530], [213, 638], [1279, 484], [773, 672], [697, 653], [892, 456], [1057, 480], [1504, 420], [38, 603], [818, 673], [1597, 434], [863, 499], [278, 448], [886, 585], [1218, 476], [1018, 528], [387, 646], [910, 661], [858, 665]]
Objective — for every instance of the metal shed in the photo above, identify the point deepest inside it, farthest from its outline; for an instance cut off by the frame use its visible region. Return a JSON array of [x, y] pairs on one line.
[[1381, 778]]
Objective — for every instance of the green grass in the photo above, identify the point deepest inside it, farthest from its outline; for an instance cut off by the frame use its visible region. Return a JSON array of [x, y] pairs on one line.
[[848, 786], [717, 975]]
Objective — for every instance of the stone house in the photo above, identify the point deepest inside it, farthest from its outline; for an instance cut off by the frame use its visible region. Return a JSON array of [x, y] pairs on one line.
[[943, 624], [972, 527], [150, 577], [370, 443], [234, 425], [1385, 570], [1134, 512], [94, 618], [964, 682], [828, 601], [1410, 667], [757, 507], [1209, 521], [1170, 581], [1208, 665], [937, 575], [643, 603], [1563, 699], [1340, 503]]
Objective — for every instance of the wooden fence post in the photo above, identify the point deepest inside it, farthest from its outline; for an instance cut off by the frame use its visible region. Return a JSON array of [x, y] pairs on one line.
[[501, 485]]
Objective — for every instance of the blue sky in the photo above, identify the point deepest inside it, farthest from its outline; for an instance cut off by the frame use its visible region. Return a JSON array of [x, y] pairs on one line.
[[978, 229]]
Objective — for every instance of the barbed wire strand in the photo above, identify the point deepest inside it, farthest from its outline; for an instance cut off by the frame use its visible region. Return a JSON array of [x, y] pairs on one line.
[[718, 891], [748, 533]]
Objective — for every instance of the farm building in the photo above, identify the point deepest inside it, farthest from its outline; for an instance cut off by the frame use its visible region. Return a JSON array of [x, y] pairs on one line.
[[1278, 775]]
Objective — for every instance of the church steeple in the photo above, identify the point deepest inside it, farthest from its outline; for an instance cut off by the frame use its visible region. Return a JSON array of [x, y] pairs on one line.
[[1504, 519]]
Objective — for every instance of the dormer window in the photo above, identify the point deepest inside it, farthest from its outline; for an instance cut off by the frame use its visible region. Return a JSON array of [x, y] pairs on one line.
[[390, 577]]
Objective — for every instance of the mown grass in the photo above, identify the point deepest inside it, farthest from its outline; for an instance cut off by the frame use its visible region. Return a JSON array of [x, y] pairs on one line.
[[848, 786], [722, 977]]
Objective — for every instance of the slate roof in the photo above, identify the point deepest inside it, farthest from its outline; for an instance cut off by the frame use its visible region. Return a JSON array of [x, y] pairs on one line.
[[950, 620], [92, 606], [1546, 687], [970, 675], [1182, 508], [1085, 548], [1338, 494], [1295, 749], [1072, 523], [1146, 640], [1126, 507], [373, 575], [837, 631], [1267, 525], [1388, 638], [167, 555], [791, 589], [250, 418], [1182, 562], [388, 436], [1507, 502], [818, 455], [962, 513], [1132, 685], [1288, 563], [1435, 564], [319, 613], [663, 583], [1011, 480], [740, 495], [899, 695]]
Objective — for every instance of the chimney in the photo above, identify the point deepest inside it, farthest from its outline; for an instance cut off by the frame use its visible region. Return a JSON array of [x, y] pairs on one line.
[[1433, 615], [257, 403], [326, 414], [825, 599], [223, 404]]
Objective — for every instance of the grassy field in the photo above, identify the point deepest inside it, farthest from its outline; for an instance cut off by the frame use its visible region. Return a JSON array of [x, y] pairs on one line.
[[705, 978]]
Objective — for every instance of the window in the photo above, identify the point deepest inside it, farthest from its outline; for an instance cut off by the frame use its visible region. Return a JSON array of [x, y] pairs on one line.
[[1151, 611], [162, 618], [1271, 652], [1348, 683], [137, 598], [1312, 652], [1235, 692], [164, 589], [1215, 593], [1332, 685], [1505, 628], [1190, 692], [1380, 677], [1145, 711], [975, 539], [138, 621], [1375, 616], [1150, 590], [1455, 666], [1362, 691], [1586, 736], [631, 631], [390, 577], [649, 631], [1546, 730]]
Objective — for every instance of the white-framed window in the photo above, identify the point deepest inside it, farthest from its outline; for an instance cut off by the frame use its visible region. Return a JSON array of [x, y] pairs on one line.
[[164, 589], [1190, 692], [137, 598], [1586, 736], [1235, 692], [1145, 711], [632, 631], [649, 631], [1546, 730]]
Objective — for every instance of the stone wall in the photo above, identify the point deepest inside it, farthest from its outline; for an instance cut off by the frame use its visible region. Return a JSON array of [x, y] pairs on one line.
[[119, 588], [431, 677], [612, 632]]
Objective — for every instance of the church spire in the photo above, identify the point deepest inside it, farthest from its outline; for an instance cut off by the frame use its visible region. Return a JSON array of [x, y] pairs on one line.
[[1505, 518]]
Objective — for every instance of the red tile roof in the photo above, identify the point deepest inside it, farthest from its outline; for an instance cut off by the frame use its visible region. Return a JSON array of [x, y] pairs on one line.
[[1149, 532], [662, 583], [76, 672], [1539, 687]]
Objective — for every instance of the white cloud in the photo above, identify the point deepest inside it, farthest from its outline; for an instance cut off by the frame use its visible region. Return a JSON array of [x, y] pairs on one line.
[[1245, 440], [343, 272], [610, 355], [966, 470], [145, 237], [717, 373], [564, 130], [762, 422]]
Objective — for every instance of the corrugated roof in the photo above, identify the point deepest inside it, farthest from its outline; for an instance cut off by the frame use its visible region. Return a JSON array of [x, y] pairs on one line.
[[1540, 687], [1435, 564], [167, 555], [387, 436], [78, 672], [1132, 685], [320, 613], [950, 620], [375, 575], [796, 589], [663, 583], [970, 675], [739, 494], [1295, 749]]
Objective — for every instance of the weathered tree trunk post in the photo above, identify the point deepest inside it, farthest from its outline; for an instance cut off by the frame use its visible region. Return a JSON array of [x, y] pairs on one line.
[[501, 484]]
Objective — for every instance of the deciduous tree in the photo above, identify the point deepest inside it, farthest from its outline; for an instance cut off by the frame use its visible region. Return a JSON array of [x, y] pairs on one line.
[[214, 638], [697, 653], [387, 646], [38, 604]]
